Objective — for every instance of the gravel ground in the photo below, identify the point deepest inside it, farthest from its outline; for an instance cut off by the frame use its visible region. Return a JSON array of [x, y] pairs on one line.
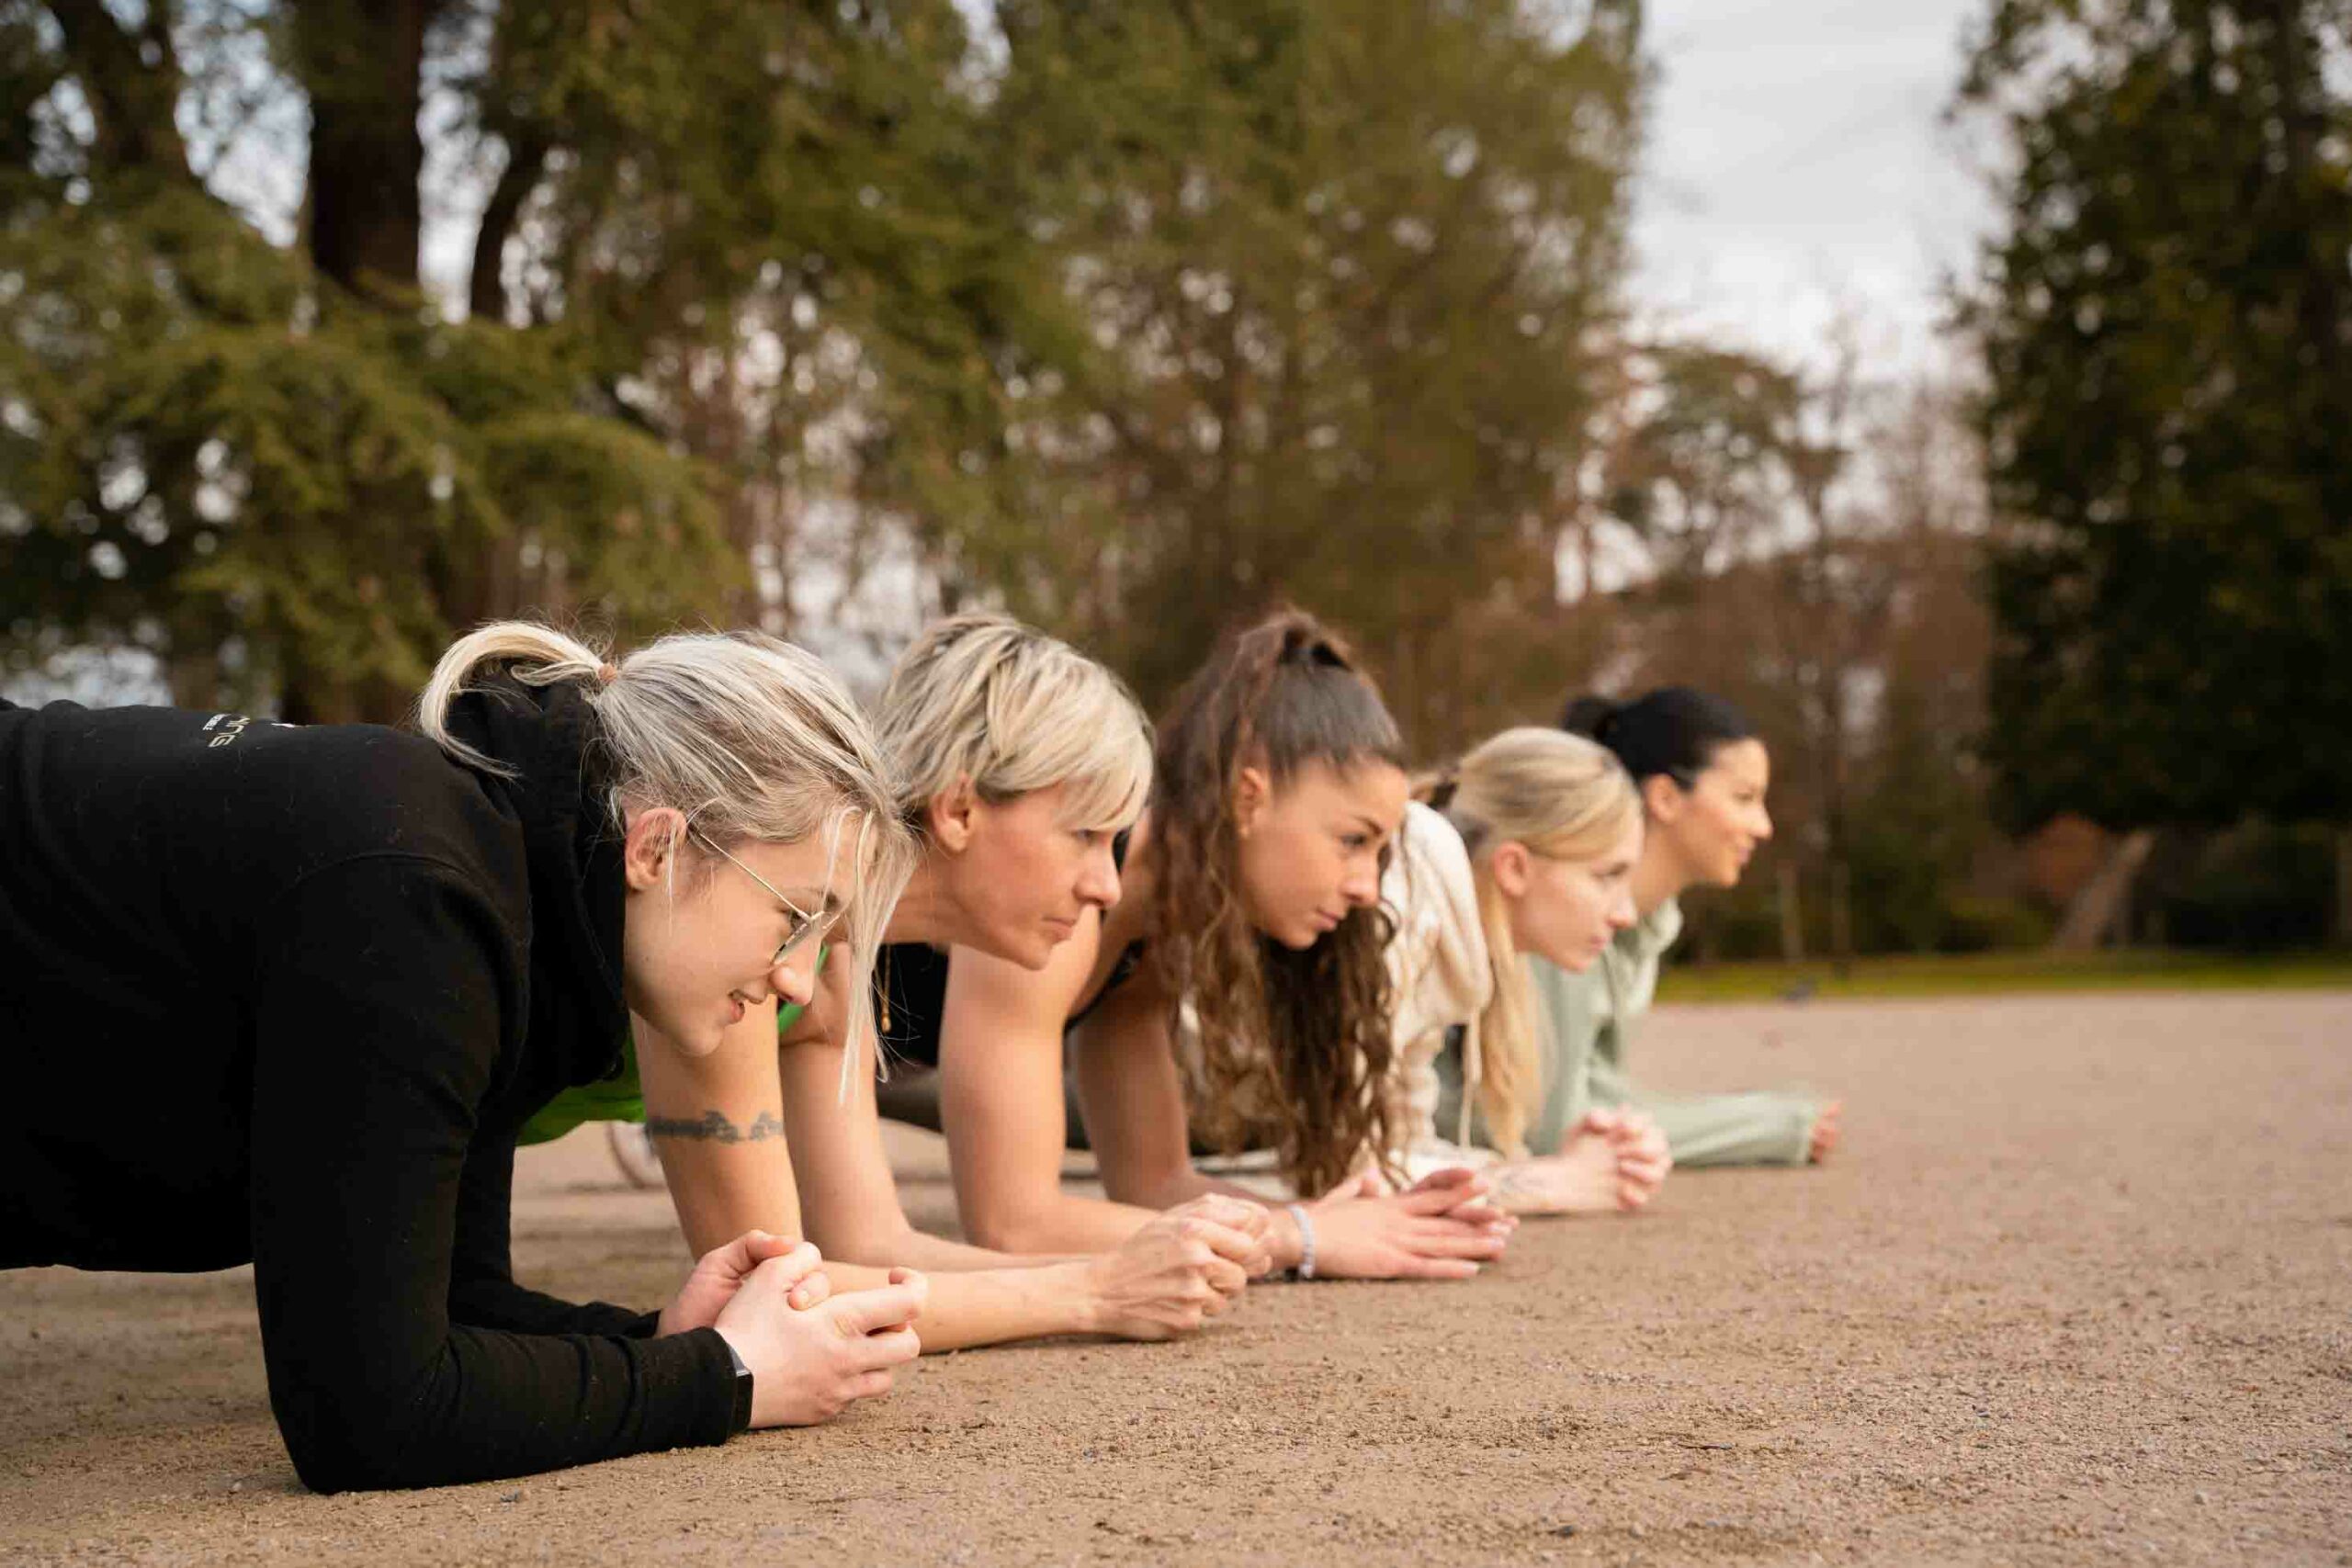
[[2076, 1289]]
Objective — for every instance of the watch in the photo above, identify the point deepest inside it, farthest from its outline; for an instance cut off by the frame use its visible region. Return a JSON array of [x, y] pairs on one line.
[[742, 1418]]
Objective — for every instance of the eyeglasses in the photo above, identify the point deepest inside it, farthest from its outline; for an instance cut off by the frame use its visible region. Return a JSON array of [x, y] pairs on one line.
[[806, 927]]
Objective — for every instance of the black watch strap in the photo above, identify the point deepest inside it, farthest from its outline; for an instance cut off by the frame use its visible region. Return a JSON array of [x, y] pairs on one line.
[[742, 1418]]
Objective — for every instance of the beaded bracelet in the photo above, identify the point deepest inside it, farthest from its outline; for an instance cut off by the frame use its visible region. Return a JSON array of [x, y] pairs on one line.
[[1306, 1270]]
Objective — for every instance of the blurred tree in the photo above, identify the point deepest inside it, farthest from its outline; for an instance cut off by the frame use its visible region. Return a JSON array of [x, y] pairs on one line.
[[1345, 267], [708, 231], [2165, 323], [1811, 544]]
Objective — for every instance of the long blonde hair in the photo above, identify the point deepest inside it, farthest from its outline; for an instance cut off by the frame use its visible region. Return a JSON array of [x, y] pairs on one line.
[[1564, 798], [748, 737], [982, 698]]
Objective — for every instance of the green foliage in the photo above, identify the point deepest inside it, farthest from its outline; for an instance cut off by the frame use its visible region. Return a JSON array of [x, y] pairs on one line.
[[1345, 266], [2257, 887], [301, 483], [206, 461], [2166, 330], [1133, 318]]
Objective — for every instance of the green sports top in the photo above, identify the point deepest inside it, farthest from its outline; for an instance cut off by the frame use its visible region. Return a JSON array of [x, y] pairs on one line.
[[616, 1099]]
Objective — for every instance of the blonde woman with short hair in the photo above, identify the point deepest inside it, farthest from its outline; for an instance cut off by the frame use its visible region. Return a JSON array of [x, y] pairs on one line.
[[378, 953], [1525, 847], [1016, 762]]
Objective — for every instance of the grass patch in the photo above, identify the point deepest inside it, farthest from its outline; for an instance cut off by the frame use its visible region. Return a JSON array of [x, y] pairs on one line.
[[1976, 974]]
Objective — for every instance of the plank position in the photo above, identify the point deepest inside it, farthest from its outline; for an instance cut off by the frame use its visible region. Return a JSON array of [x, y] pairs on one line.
[[284, 995]]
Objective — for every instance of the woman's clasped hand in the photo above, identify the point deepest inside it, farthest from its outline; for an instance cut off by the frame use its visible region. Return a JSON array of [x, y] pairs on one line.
[[1442, 1227], [1179, 1269], [811, 1352]]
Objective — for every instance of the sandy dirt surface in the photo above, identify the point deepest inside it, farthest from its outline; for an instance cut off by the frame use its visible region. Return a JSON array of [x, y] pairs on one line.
[[2079, 1289]]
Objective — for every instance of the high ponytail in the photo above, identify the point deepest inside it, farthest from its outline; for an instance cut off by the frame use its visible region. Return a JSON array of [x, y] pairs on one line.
[[748, 737], [1293, 1046]]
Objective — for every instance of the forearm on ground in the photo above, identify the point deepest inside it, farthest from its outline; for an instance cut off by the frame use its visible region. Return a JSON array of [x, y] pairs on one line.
[[989, 1306]]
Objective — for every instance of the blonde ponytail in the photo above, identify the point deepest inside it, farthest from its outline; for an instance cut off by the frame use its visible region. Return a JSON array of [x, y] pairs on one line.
[[1564, 798], [535, 655]]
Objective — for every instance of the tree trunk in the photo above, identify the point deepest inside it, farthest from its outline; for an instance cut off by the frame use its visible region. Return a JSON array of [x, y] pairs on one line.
[[2344, 886], [527, 155], [1841, 917], [2105, 897], [1791, 917], [364, 60]]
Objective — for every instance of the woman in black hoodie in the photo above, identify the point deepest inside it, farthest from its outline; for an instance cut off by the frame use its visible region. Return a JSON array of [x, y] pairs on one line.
[[283, 995]]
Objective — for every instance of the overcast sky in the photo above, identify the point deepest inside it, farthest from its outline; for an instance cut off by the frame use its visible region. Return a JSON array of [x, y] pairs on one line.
[[1798, 160]]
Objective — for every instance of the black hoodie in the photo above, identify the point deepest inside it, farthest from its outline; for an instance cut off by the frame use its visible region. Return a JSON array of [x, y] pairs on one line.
[[284, 995]]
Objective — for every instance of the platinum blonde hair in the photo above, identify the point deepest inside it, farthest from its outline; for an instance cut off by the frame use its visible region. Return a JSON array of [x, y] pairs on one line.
[[981, 697], [750, 738], [1564, 798]]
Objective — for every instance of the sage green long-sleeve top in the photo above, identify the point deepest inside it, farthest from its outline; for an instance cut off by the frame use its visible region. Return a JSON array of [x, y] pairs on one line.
[[1585, 1025]]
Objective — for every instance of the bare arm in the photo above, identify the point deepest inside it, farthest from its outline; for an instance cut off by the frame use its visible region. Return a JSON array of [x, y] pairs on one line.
[[728, 1160], [853, 1209], [1133, 1102], [1000, 1101], [717, 1122]]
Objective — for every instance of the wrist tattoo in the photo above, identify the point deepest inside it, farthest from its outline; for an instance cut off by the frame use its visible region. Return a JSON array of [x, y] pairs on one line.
[[713, 1128]]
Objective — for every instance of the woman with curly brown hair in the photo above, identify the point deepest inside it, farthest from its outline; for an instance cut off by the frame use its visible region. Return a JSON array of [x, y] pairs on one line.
[[1249, 928]]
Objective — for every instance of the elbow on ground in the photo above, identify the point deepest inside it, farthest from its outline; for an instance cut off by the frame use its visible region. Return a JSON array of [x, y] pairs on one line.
[[342, 1438]]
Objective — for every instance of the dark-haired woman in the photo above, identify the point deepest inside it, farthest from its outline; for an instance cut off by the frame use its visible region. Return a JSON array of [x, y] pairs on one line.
[[1703, 774], [1248, 926], [396, 948]]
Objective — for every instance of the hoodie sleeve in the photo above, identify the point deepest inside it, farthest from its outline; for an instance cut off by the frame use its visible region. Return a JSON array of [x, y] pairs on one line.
[[1438, 980], [1758, 1128], [382, 983], [482, 1292]]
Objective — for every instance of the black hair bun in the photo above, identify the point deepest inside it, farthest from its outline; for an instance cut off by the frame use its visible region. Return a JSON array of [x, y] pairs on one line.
[[1674, 730], [1589, 716]]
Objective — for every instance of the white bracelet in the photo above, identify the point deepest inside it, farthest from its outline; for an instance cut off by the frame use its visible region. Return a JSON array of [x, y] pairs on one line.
[[1306, 1270]]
